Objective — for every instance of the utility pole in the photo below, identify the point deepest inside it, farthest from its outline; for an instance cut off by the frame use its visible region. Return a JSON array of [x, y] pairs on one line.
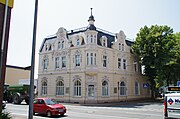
[[5, 16], [31, 92]]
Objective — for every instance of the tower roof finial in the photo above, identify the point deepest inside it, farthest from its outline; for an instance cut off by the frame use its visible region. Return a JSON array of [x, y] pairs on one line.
[[91, 11], [91, 18]]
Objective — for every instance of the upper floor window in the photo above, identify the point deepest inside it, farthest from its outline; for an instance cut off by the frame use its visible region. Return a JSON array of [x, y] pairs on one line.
[[77, 60], [62, 45], [91, 39], [124, 63], [59, 45], [60, 88], [104, 61], [91, 58], [45, 64], [119, 63], [63, 61], [104, 42], [78, 42], [57, 62], [122, 47], [119, 46], [77, 88]]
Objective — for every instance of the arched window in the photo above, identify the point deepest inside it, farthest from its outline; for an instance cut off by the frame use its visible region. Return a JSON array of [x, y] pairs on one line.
[[77, 88], [59, 88], [119, 46], [59, 45], [137, 88], [91, 39], [123, 88], [44, 88], [105, 88], [78, 42], [62, 45]]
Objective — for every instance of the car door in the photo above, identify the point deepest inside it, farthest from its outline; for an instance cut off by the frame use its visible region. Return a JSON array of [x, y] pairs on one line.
[[40, 106]]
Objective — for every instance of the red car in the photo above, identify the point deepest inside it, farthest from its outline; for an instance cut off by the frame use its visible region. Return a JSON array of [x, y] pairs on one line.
[[48, 106]]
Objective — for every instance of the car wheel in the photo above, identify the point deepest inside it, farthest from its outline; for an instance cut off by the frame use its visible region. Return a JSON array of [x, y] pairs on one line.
[[62, 114], [49, 114]]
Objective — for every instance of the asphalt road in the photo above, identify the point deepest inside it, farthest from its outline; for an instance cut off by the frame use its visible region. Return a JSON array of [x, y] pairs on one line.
[[143, 110]]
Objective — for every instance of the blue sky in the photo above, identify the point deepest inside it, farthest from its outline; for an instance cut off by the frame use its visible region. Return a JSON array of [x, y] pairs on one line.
[[110, 15]]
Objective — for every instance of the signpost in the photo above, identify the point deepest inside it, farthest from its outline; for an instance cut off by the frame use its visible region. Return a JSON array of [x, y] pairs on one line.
[[178, 83]]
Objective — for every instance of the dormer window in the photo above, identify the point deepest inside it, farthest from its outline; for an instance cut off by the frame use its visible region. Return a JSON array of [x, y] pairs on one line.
[[62, 45], [104, 41], [78, 42], [50, 47], [59, 45], [120, 46]]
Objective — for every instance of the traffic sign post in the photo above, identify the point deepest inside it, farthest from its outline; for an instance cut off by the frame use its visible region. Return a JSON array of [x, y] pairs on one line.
[[178, 83]]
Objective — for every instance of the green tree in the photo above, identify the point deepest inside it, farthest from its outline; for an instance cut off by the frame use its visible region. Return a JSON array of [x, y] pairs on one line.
[[154, 46]]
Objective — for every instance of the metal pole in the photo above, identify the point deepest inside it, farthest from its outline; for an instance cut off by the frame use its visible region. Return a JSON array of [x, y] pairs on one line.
[[3, 38], [31, 92]]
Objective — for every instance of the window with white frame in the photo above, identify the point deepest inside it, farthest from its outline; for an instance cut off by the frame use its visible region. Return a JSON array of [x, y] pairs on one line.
[[91, 58], [137, 89], [87, 59], [45, 64], [95, 59], [124, 64], [105, 89], [77, 60], [59, 45], [104, 42], [44, 88], [91, 39], [78, 42], [122, 88], [62, 45], [59, 88], [120, 46], [57, 62], [119, 63], [104, 61], [77, 88], [63, 61], [87, 39]]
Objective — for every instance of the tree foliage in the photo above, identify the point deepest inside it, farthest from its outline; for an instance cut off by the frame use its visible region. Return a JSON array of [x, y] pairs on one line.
[[155, 47]]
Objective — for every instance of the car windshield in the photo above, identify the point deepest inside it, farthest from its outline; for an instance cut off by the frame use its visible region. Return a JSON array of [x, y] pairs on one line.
[[49, 102]]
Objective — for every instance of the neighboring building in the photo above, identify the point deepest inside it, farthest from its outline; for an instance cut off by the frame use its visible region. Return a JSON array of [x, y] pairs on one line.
[[16, 73], [89, 65]]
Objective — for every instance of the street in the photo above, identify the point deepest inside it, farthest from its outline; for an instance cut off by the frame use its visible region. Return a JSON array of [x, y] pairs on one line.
[[143, 110]]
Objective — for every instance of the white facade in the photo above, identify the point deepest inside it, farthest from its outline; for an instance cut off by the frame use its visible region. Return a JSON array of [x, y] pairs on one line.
[[89, 65]]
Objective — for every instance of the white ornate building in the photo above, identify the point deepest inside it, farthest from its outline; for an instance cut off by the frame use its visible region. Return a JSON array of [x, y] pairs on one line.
[[89, 65]]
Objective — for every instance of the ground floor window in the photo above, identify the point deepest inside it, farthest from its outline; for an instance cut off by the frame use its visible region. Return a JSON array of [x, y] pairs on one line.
[[123, 88], [59, 88], [105, 88], [44, 88], [77, 88]]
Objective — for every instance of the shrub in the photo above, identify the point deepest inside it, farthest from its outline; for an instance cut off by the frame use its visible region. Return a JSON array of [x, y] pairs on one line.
[[5, 115]]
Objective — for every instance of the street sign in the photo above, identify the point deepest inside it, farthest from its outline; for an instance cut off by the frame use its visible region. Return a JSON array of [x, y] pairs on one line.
[[146, 85], [178, 83]]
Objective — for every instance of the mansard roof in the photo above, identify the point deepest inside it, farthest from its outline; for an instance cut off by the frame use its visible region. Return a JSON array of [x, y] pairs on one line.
[[110, 36]]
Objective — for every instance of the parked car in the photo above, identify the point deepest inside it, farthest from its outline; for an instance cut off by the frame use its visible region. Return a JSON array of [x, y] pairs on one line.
[[48, 106], [3, 104]]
